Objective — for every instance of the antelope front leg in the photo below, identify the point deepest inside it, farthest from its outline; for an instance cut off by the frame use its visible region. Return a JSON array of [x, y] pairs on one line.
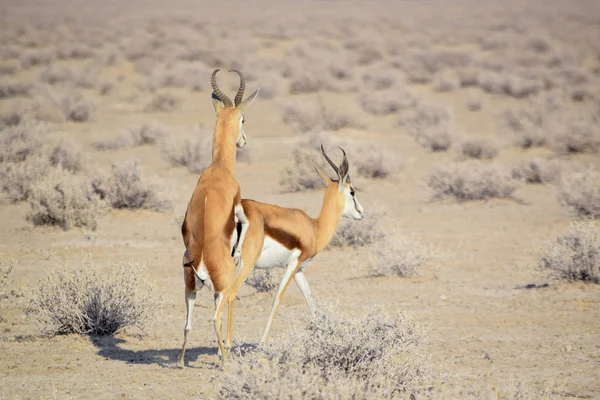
[[285, 281], [241, 216]]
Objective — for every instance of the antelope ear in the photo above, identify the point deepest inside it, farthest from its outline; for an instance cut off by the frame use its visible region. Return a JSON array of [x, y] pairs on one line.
[[217, 104], [322, 173], [249, 99]]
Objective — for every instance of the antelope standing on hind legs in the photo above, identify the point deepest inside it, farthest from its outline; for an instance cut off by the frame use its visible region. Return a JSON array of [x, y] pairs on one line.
[[288, 238], [209, 221]]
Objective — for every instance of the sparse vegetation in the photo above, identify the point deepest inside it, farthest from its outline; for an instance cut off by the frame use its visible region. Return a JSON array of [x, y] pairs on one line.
[[376, 355], [574, 256], [83, 299], [581, 191], [140, 135], [359, 233], [471, 181], [478, 149], [126, 188], [537, 171], [163, 102], [64, 200], [307, 117], [191, 150], [301, 175], [264, 280], [400, 256]]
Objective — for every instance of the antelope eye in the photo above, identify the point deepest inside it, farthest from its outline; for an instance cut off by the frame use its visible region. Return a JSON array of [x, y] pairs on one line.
[[352, 192]]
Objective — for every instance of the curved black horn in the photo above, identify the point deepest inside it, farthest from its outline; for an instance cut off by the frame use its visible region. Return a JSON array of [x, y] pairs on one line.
[[240, 92], [220, 95], [344, 165], [335, 168]]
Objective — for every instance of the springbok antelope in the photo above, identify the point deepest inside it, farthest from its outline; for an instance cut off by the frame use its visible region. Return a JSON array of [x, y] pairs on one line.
[[288, 238], [209, 221]]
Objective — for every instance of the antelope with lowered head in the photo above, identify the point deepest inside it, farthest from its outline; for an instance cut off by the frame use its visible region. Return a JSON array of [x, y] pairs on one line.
[[288, 238], [210, 220]]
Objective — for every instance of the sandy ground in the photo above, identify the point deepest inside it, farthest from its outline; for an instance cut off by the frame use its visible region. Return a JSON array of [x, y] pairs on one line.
[[483, 330]]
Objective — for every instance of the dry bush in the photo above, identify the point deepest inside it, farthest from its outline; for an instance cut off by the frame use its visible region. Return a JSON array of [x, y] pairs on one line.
[[75, 107], [193, 151], [306, 117], [375, 355], [73, 51], [19, 142], [372, 161], [581, 191], [12, 88], [445, 81], [66, 155], [265, 280], [55, 74], [65, 200], [179, 76], [579, 134], [18, 179], [537, 170], [36, 57], [140, 135], [474, 102], [301, 175], [6, 69], [126, 188], [387, 102], [163, 102], [398, 256], [574, 256], [438, 138], [6, 268], [424, 117], [379, 79], [470, 181], [82, 299], [479, 149], [359, 233]]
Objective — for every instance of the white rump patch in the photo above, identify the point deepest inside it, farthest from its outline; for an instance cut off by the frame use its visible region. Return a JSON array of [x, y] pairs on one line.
[[275, 255]]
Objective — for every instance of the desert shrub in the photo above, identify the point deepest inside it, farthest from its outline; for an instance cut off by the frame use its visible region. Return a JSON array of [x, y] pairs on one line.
[[67, 156], [163, 102], [400, 256], [140, 135], [474, 102], [438, 138], [387, 102], [581, 191], [470, 181], [36, 57], [579, 134], [301, 175], [82, 299], [54, 74], [305, 117], [6, 268], [574, 256], [19, 142], [125, 188], [424, 117], [12, 88], [479, 149], [537, 171], [375, 355], [65, 200], [7, 69], [75, 107], [265, 280], [372, 161], [193, 151], [381, 79], [18, 179], [445, 82], [179, 76], [73, 51], [359, 233]]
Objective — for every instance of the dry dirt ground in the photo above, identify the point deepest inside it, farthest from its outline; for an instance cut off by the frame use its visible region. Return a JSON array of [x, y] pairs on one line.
[[483, 330]]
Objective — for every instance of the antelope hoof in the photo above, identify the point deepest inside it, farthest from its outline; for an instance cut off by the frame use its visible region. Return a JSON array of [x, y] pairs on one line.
[[180, 364]]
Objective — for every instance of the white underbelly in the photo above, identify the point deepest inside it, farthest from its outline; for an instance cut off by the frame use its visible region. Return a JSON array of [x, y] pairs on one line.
[[275, 255]]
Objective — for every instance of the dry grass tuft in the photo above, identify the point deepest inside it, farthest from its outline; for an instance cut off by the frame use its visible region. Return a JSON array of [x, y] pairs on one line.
[[140, 135], [191, 150], [265, 280], [387, 102], [400, 256], [82, 299], [64, 200], [359, 233], [126, 188], [163, 102], [537, 170], [581, 191], [574, 256], [6, 268], [12, 88], [470, 181], [75, 107], [375, 355], [479, 149], [307, 117], [301, 175]]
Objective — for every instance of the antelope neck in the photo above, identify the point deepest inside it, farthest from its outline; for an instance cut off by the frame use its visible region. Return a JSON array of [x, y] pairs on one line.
[[224, 151], [328, 219]]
